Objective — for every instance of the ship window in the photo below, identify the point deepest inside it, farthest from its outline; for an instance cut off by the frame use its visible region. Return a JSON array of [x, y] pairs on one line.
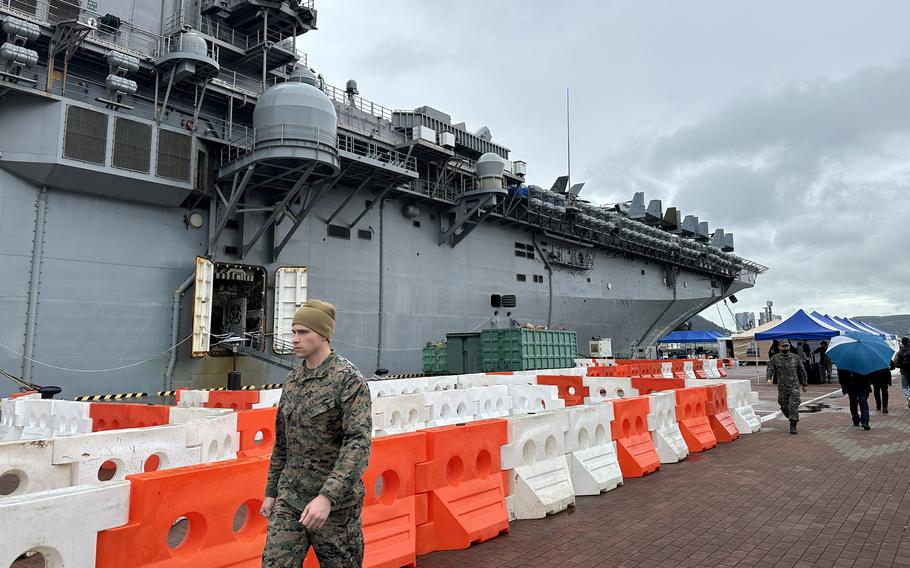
[[364, 234], [338, 232], [417, 224], [520, 253], [521, 278], [495, 301]]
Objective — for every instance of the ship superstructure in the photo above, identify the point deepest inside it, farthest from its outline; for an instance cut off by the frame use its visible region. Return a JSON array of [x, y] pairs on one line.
[[175, 173]]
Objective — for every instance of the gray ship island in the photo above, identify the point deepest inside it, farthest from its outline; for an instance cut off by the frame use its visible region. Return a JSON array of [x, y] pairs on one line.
[[175, 173]]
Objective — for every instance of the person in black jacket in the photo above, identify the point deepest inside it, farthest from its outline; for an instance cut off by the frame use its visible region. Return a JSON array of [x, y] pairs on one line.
[[881, 380], [856, 387]]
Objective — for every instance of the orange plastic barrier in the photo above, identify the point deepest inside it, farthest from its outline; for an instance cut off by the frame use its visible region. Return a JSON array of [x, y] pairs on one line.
[[693, 420], [647, 386], [721, 368], [635, 450], [113, 415], [208, 496], [252, 422], [390, 508], [571, 387], [235, 400], [679, 369], [611, 371], [722, 423], [462, 486]]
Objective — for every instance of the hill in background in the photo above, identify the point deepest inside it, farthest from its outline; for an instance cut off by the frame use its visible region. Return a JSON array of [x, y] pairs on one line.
[[899, 324]]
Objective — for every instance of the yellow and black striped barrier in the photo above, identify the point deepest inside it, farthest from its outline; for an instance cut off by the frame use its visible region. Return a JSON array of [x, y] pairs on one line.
[[108, 397], [270, 386], [406, 376]]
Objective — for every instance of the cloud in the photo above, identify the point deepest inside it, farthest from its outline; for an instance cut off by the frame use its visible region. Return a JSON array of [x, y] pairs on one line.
[[811, 177]]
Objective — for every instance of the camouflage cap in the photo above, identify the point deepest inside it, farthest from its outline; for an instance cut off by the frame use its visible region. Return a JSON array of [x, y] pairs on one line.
[[784, 342]]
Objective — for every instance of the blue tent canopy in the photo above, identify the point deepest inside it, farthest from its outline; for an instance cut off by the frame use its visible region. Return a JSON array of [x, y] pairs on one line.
[[690, 337], [799, 326], [831, 322]]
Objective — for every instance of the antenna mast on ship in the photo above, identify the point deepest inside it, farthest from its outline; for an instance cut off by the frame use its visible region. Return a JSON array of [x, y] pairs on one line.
[[568, 146]]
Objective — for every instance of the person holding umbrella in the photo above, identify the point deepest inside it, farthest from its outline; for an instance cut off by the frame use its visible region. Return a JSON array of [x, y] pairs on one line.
[[863, 356], [788, 371]]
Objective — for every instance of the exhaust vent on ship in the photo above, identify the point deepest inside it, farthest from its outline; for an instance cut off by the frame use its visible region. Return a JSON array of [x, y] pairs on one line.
[[174, 155], [132, 145], [85, 137]]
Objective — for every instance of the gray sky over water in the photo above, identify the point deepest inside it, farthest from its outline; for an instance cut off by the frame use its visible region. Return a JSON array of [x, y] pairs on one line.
[[786, 123]]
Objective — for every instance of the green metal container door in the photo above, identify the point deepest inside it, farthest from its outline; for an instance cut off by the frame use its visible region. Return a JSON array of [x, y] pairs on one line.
[[465, 353]]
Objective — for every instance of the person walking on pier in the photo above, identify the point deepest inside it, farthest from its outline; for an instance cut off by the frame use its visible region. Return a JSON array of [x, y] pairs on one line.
[[881, 380], [824, 363], [314, 493], [788, 371], [856, 386], [902, 361]]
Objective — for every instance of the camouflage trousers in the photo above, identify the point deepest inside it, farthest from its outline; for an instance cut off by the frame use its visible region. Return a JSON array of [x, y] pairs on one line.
[[788, 399], [338, 544]]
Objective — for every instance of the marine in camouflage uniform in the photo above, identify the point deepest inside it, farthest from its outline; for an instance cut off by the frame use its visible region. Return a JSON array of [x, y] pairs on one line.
[[322, 445], [790, 373]]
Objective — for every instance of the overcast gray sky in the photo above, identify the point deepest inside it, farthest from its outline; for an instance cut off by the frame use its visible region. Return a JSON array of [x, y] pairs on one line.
[[786, 123]]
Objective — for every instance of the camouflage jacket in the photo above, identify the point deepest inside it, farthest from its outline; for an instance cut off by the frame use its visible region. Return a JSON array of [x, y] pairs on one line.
[[789, 370], [323, 433]]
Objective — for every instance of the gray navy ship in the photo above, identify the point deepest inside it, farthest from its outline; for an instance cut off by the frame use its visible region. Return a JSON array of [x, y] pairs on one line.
[[175, 173]]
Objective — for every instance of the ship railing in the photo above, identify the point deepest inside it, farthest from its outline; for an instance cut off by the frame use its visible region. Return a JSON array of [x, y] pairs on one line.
[[249, 139], [372, 151], [433, 189], [233, 80], [126, 38], [358, 102], [208, 26]]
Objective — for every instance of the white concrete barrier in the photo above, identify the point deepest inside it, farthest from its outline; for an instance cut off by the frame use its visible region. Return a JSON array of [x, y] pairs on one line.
[[30, 462], [491, 402], [601, 389], [666, 370], [483, 380], [193, 398], [131, 450], [61, 524], [450, 407], [739, 401], [268, 398], [665, 434], [215, 438], [539, 479], [395, 387], [397, 414], [534, 398], [689, 369], [445, 382], [45, 418], [9, 431], [710, 368], [590, 449]]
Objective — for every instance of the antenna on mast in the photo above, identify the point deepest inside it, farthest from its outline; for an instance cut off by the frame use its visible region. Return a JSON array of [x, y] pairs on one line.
[[568, 144]]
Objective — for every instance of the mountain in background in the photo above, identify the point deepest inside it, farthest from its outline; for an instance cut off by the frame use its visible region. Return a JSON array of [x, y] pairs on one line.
[[899, 324], [701, 324]]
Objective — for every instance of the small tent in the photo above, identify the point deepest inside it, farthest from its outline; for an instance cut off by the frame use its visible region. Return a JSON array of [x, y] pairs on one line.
[[799, 326], [747, 349], [699, 336]]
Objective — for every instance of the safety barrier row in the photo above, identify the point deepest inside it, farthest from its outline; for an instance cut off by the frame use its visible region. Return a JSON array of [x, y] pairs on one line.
[[555, 436]]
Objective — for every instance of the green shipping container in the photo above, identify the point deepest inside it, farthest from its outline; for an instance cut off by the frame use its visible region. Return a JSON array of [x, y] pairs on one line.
[[434, 359], [465, 353], [519, 349]]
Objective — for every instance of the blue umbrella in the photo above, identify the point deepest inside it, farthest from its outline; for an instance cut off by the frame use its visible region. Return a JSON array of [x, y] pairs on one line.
[[860, 352]]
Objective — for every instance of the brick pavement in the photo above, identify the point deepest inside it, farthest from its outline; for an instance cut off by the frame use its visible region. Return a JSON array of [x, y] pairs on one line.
[[833, 496]]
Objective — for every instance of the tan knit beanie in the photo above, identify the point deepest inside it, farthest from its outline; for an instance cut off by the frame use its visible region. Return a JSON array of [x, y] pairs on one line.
[[318, 316]]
